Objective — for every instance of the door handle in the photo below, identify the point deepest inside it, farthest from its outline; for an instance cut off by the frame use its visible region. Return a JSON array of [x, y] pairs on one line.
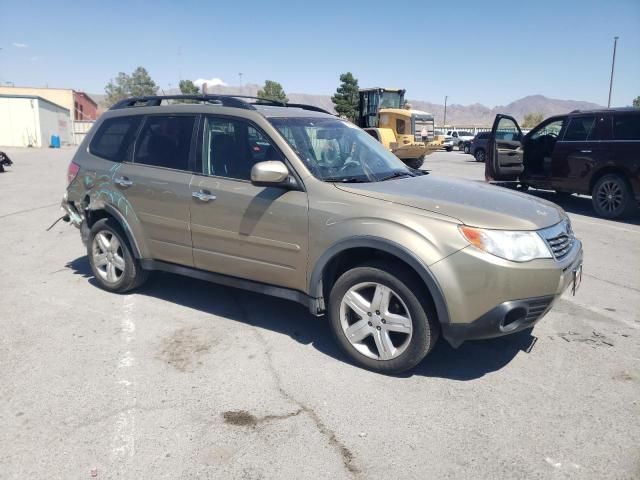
[[203, 195], [123, 181], [585, 151]]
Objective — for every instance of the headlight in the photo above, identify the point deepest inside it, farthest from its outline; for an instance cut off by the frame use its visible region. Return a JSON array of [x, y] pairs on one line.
[[516, 246]]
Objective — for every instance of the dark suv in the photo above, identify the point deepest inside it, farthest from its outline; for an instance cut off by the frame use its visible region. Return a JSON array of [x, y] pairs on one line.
[[594, 153], [478, 146]]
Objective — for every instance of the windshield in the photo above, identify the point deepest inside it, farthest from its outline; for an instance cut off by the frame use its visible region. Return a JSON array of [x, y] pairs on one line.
[[338, 151], [390, 100]]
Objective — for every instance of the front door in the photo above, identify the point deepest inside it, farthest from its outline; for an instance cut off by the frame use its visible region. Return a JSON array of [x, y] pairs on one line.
[[156, 185], [238, 229], [504, 150]]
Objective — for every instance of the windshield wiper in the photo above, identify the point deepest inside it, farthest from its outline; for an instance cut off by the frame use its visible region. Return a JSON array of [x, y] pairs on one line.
[[346, 179], [396, 174]]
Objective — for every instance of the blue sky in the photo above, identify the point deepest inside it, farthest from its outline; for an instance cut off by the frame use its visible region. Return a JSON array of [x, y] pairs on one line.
[[491, 52]]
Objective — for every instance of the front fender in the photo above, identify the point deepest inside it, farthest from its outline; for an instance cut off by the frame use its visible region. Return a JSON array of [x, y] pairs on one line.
[[387, 246]]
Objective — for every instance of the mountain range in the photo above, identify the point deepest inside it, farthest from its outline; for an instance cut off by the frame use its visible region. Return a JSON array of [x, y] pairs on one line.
[[457, 115]]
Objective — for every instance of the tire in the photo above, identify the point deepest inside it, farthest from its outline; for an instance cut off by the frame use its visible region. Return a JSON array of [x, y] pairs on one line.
[[467, 148], [413, 315], [449, 149], [414, 163], [111, 259], [480, 155], [612, 197]]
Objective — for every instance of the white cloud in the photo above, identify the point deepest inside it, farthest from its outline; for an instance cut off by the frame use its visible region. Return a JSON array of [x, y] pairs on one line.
[[212, 82], [20, 45]]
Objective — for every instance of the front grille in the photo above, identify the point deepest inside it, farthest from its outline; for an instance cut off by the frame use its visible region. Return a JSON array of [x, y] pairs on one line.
[[560, 239]]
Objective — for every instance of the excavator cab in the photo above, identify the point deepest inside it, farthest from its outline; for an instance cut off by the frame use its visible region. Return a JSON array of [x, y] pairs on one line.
[[373, 99]]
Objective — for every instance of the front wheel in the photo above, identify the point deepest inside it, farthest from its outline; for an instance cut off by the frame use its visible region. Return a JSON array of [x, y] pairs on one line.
[[414, 163], [467, 148], [449, 149], [378, 320], [612, 197], [480, 155]]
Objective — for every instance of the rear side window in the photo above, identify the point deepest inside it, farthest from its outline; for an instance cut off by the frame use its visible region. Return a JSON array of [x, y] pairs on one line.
[[482, 136], [579, 129], [626, 127], [165, 141], [114, 139]]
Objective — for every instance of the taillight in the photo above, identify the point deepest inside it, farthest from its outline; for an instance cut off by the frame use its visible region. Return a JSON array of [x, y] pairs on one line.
[[72, 172]]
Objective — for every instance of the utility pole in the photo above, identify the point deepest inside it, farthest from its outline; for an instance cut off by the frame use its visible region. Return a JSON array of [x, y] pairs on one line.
[[444, 122], [613, 64], [240, 75]]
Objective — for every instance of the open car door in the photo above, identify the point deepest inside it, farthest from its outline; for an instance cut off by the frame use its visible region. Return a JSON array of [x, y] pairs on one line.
[[504, 150]]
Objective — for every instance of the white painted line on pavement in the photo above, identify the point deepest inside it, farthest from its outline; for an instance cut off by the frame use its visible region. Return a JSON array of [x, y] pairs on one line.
[[123, 442]]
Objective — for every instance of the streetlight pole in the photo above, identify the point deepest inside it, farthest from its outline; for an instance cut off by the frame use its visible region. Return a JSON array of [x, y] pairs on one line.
[[613, 64], [444, 122]]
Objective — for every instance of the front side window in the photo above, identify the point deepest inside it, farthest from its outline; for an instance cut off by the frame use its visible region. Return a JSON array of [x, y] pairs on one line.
[[337, 151], [626, 127], [165, 141], [551, 129], [232, 147], [400, 126], [507, 130], [579, 129], [114, 138]]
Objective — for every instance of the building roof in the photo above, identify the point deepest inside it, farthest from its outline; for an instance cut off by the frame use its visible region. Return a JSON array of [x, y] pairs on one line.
[[33, 97]]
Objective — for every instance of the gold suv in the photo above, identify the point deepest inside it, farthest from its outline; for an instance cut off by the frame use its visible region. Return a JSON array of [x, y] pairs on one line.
[[291, 201]]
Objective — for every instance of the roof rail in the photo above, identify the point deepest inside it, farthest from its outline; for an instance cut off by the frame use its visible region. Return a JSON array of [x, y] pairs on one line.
[[236, 101]]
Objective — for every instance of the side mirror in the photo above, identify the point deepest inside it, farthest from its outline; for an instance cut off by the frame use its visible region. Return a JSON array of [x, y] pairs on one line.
[[271, 173]]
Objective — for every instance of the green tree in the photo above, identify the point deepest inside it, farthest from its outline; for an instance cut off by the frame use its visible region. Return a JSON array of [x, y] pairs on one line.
[[636, 102], [346, 97], [138, 84], [187, 87], [532, 119], [273, 91]]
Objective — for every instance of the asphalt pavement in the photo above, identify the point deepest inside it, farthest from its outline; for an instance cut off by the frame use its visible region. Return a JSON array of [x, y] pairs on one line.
[[185, 379]]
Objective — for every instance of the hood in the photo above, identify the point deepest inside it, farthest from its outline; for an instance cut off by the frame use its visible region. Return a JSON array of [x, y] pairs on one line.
[[472, 203]]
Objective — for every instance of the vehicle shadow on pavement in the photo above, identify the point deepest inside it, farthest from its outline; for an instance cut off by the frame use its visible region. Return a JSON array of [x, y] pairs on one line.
[[472, 360], [580, 205]]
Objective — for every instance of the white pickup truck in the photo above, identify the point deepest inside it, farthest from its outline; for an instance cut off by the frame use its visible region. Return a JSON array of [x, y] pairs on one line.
[[459, 137]]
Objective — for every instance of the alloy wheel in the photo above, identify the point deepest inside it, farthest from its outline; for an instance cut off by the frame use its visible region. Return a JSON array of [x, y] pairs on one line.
[[376, 321], [108, 257], [610, 196]]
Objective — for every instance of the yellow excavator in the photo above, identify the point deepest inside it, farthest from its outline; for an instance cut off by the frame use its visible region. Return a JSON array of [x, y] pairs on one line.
[[384, 115]]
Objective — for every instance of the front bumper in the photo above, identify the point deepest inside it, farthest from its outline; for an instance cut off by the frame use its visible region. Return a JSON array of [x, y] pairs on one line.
[[484, 282]]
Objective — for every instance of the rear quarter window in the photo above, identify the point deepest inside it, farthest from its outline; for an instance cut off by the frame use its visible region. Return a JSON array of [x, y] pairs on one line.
[[626, 127], [114, 138]]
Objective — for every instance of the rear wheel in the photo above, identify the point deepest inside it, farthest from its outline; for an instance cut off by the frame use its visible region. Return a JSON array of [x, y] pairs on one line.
[[414, 163], [612, 197], [112, 262], [467, 148], [480, 155], [378, 320]]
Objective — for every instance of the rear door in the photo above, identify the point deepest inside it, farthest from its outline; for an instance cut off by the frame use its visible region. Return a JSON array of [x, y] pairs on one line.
[[577, 152], [156, 185], [504, 150]]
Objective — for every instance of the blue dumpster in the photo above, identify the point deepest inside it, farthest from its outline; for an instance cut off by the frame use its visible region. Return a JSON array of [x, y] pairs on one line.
[[55, 141]]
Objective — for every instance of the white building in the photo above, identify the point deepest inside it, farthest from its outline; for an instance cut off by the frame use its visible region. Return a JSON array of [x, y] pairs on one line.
[[29, 121]]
